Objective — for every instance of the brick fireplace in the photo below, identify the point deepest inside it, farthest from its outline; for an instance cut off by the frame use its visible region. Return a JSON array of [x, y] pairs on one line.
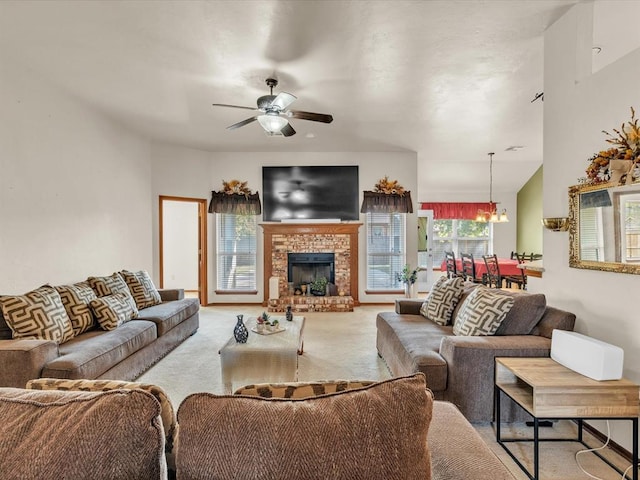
[[339, 239]]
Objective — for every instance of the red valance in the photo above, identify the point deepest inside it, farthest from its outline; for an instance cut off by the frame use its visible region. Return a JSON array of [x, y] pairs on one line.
[[460, 210]]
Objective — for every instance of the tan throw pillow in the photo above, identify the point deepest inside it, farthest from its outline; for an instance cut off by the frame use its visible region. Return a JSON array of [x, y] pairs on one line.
[[142, 288], [75, 299], [374, 432], [112, 311], [37, 314], [482, 312], [104, 286], [97, 435], [442, 300]]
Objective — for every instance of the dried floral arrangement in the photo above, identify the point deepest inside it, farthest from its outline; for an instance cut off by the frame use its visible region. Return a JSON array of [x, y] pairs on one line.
[[626, 147], [235, 187], [387, 186]]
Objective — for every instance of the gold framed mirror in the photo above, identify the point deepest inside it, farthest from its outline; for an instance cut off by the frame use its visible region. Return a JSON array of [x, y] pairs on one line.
[[604, 227]]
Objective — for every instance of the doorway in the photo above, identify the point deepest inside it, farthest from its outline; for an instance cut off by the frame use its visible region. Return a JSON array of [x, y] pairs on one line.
[[425, 250], [183, 245]]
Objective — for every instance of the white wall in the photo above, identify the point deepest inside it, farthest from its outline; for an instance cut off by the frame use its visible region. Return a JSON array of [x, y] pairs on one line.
[[577, 107], [179, 171], [180, 244], [75, 195]]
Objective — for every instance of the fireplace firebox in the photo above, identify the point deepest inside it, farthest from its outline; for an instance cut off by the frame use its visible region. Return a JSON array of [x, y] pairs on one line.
[[303, 268]]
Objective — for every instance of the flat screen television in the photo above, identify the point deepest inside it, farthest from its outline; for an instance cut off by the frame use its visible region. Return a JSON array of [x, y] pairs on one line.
[[308, 193]]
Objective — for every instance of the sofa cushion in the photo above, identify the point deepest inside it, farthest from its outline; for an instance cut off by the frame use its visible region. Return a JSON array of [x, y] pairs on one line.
[[142, 289], [482, 312], [442, 300], [374, 432], [105, 435], [525, 314], [111, 311], [75, 299], [94, 352], [412, 344], [169, 314], [114, 283], [167, 412], [5, 331], [38, 314], [300, 389]]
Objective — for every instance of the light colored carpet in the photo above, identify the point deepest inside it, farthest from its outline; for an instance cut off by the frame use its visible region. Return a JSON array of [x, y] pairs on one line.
[[343, 346]]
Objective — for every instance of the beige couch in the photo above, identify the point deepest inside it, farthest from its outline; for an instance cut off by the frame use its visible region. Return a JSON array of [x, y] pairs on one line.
[[385, 430], [460, 369], [120, 354]]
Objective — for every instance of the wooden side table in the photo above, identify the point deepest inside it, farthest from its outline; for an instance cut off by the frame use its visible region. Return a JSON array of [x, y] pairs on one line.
[[547, 390]]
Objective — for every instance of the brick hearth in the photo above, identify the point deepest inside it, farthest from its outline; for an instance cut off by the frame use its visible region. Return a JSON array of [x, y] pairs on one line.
[[341, 239]]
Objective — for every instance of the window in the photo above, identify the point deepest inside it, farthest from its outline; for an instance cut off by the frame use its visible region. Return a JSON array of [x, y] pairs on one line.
[[386, 253], [631, 237], [236, 252], [460, 236]]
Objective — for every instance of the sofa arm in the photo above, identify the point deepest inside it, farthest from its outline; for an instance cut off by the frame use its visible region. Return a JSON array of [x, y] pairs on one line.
[[169, 294], [471, 368], [23, 360], [410, 306]]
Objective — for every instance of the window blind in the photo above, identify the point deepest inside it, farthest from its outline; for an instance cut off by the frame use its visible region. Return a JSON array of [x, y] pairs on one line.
[[386, 254], [237, 253]]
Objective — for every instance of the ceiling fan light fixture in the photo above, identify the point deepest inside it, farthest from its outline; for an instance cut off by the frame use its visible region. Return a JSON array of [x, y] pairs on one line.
[[272, 123]]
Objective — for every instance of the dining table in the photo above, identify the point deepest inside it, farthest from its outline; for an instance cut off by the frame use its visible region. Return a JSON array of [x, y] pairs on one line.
[[508, 266]]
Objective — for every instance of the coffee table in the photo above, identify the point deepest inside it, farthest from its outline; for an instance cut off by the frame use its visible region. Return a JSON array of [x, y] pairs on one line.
[[264, 358]]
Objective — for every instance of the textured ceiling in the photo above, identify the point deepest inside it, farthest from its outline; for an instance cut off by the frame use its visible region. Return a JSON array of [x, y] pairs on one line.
[[450, 80]]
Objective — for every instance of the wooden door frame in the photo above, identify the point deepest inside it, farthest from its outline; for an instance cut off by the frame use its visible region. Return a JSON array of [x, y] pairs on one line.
[[202, 242]]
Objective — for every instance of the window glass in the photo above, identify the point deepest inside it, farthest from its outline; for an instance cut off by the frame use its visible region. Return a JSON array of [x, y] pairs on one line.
[[460, 236]]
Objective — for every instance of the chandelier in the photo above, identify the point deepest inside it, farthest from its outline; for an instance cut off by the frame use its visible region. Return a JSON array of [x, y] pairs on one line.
[[492, 216]]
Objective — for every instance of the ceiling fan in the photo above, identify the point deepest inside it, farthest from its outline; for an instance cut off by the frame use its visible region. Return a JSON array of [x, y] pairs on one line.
[[272, 113]]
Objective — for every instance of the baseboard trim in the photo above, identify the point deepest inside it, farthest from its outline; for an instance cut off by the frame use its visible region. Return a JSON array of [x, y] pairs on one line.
[[616, 447]]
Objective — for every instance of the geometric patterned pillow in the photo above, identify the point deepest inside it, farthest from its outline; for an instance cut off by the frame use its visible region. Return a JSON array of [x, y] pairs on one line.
[[112, 311], [442, 300], [300, 389], [482, 312], [142, 288], [38, 314], [75, 299], [112, 284]]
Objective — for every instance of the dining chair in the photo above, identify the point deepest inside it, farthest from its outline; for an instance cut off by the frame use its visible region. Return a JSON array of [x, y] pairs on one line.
[[450, 261], [536, 256], [469, 268], [493, 278], [519, 280]]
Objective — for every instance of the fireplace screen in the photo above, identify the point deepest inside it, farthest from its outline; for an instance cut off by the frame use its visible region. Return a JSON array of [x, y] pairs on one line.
[[304, 268]]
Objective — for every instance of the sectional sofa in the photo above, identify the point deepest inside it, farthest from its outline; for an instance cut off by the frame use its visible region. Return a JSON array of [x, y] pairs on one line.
[[459, 365], [326, 431], [89, 330]]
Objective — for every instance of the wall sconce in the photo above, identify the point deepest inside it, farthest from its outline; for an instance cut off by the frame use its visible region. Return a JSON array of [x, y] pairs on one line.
[[556, 224]]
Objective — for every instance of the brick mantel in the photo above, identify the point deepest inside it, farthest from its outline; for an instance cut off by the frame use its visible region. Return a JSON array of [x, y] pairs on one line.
[[283, 238]]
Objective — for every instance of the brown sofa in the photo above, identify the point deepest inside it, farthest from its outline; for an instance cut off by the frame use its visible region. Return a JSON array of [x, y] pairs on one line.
[[120, 354], [335, 434], [460, 369]]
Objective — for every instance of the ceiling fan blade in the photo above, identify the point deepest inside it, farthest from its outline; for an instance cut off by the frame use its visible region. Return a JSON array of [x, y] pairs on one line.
[[242, 123], [283, 100], [287, 130], [314, 117], [232, 106]]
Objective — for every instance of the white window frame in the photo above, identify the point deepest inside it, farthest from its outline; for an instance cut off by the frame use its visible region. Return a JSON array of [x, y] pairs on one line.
[[455, 242], [234, 282]]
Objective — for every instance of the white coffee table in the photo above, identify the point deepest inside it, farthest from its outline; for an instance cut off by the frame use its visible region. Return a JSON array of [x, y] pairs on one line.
[[264, 358]]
